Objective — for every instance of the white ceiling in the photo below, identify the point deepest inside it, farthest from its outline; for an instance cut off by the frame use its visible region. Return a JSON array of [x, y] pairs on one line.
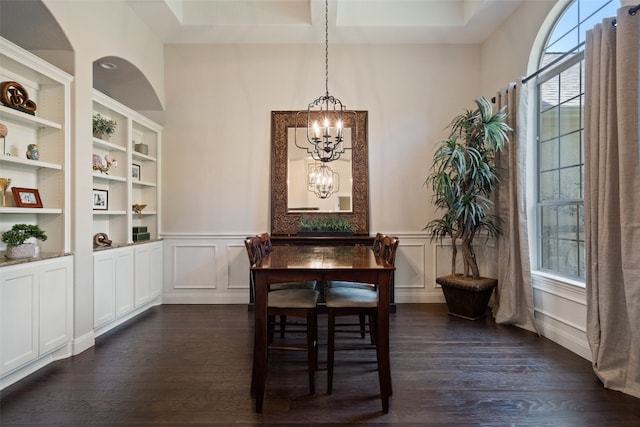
[[303, 21]]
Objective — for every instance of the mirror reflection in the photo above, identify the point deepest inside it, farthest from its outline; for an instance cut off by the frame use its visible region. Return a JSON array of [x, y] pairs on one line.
[[314, 186]]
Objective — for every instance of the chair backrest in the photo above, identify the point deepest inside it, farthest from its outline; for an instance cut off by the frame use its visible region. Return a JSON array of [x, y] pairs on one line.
[[377, 244], [266, 244], [254, 249], [389, 248]]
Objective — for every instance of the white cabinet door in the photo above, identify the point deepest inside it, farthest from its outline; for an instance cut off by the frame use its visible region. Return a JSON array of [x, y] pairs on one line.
[[103, 288], [36, 313], [113, 284], [124, 281], [56, 299], [18, 317], [142, 257]]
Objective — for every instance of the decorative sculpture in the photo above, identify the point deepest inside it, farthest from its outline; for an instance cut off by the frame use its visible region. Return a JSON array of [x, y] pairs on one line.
[[101, 239], [14, 95], [138, 209]]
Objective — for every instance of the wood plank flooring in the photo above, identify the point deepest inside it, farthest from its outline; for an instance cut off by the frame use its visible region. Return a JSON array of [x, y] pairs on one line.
[[184, 365]]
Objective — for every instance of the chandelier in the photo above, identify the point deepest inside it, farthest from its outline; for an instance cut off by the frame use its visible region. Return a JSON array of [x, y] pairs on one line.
[[323, 181], [326, 117]]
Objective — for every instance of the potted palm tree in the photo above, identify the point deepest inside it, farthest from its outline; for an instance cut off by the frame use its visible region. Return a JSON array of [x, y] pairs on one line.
[[463, 176]]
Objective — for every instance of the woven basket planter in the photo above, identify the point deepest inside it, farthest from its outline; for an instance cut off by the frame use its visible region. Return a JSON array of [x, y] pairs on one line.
[[467, 297]]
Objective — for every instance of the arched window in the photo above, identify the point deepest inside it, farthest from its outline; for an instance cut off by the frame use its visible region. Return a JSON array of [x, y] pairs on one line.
[[559, 139]]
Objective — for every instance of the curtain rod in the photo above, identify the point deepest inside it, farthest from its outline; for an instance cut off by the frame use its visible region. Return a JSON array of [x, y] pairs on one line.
[[552, 63], [632, 12]]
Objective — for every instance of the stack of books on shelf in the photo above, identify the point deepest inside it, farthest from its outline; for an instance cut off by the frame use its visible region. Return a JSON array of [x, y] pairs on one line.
[[140, 234]]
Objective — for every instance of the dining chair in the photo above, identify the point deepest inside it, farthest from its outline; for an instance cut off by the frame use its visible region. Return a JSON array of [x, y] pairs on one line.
[[295, 302], [267, 246], [377, 249], [353, 300]]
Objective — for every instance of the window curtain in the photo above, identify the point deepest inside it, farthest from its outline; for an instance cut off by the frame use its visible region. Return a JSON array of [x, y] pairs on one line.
[[513, 299], [612, 201]]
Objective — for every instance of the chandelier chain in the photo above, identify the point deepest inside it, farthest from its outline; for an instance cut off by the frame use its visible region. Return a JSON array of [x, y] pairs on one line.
[[326, 46]]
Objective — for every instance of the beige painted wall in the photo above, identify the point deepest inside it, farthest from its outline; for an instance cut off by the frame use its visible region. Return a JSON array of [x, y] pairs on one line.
[[219, 100]]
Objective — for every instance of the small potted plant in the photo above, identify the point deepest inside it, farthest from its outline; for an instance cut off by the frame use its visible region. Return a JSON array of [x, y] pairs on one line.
[[103, 127], [16, 240], [326, 226]]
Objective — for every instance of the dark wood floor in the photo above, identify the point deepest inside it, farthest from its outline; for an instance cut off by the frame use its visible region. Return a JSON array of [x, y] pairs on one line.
[[190, 364]]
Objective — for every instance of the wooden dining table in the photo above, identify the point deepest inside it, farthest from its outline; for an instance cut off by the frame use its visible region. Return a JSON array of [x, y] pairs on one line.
[[321, 263]]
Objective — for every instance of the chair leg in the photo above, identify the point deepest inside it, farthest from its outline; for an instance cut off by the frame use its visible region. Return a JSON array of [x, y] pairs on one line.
[[363, 326], [311, 349], [271, 324], [253, 370], [372, 328], [283, 324], [331, 326]]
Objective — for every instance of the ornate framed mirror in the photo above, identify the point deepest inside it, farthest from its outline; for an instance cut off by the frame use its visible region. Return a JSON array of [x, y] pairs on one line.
[[291, 199]]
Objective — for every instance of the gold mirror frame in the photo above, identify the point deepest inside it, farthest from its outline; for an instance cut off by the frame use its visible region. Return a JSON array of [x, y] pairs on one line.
[[284, 222]]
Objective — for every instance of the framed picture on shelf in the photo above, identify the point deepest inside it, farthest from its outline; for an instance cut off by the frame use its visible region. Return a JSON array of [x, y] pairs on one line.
[[100, 200], [26, 197], [135, 171]]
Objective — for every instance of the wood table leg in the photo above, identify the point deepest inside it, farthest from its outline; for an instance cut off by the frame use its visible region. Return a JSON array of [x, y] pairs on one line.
[[382, 345], [258, 378]]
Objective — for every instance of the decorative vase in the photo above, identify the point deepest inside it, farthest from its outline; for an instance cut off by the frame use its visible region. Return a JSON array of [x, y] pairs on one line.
[[32, 152], [25, 250]]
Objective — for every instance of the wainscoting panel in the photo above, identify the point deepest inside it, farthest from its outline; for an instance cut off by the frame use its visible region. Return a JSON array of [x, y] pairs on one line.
[[196, 266], [238, 267], [414, 281], [410, 266], [206, 269]]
